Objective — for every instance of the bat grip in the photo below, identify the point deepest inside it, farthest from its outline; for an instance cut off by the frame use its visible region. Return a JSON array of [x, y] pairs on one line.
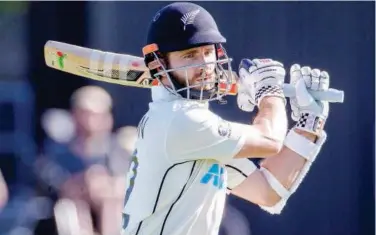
[[331, 95]]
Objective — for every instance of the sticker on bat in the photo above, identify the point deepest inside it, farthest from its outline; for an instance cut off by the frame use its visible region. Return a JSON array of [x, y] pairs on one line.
[[60, 59], [130, 75]]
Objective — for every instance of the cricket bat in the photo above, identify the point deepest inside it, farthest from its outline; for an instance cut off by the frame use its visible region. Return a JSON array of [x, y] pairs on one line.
[[130, 70]]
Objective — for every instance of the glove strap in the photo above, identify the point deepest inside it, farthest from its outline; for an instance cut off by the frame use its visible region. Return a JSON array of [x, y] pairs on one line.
[[311, 123], [269, 90]]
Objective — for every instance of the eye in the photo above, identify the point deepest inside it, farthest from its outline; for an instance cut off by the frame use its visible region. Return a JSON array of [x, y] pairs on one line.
[[209, 52], [189, 55]]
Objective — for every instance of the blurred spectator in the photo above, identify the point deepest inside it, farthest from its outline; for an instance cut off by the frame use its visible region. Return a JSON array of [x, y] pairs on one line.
[[84, 164], [3, 192]]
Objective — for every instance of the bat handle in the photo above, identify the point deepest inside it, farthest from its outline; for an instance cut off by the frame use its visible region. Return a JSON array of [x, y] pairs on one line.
[[331, 95]]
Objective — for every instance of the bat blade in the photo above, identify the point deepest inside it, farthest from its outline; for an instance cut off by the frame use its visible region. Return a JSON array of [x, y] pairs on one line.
[[102, 66], [129, 70], [122, 69]]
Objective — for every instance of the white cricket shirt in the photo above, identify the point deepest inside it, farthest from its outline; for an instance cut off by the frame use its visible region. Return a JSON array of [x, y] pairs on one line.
[[182, 168]]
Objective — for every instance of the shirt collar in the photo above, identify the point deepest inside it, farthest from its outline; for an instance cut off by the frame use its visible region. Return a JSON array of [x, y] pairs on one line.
[[161, 93]]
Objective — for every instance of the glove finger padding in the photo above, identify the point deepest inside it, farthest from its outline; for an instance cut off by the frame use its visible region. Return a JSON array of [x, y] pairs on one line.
[[268, 69], [324, 85], [324, 81], [315, 79], [306, 75], [259, 63], [244, 100], [295, 75], [261, 78]]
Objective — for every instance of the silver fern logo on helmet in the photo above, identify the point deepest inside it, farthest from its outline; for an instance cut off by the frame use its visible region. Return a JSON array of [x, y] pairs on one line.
[[189, 17], [156, 17]]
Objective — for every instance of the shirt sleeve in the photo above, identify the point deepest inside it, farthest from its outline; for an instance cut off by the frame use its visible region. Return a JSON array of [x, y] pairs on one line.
[[198, 133], [238, 170]]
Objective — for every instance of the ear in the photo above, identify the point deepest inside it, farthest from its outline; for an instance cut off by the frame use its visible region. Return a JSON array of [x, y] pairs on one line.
[[157, 66], [164, 62], [165, 58]]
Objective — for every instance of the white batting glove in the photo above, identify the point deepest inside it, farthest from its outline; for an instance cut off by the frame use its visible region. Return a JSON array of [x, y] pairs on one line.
[[244, 100], [259, 78], [310, 114]]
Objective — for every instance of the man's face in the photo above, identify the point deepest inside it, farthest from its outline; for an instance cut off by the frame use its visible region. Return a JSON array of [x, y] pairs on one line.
[[91, 122], [195, 75]]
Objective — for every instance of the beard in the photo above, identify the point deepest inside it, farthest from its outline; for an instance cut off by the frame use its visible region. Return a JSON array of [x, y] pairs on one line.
[[197, 82]]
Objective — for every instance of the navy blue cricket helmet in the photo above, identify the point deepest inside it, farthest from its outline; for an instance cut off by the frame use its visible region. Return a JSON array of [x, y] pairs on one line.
[[180, 26]]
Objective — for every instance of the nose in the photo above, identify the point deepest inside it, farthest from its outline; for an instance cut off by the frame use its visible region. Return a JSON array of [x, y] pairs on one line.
[[204, 59]]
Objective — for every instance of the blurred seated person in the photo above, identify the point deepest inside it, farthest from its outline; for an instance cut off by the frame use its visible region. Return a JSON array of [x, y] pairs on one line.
[[84, 164], [3, 192]]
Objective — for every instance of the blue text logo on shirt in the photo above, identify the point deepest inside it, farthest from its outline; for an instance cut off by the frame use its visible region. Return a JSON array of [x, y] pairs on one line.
[[214, 175]]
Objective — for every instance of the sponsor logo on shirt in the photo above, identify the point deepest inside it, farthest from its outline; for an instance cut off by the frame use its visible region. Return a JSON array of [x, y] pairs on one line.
[[214, 176]]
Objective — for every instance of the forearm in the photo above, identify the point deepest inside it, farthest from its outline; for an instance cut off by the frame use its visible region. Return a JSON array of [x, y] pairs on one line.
[[285, 167], [264, 138], [271, 119], [285, 170], [280, 174]]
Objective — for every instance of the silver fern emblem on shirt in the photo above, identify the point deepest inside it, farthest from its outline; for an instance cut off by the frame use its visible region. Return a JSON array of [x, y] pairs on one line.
[[189, 17]]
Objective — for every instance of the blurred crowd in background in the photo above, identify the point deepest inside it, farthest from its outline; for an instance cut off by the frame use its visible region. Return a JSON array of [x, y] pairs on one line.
[[79, 174], [66, 141]]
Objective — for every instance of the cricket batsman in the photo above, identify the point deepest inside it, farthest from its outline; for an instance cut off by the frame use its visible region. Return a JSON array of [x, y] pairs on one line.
[[187, 158]]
